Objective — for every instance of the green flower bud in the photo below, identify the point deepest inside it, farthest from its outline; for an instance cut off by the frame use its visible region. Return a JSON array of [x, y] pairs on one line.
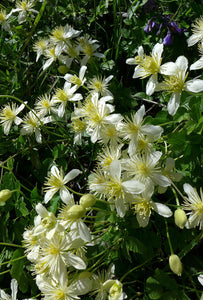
[[180, 218], [5, 195], [87, 200], [76, 212], [175, 264]]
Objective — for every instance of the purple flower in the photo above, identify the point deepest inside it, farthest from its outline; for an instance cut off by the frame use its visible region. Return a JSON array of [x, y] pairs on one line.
[[150, 25], [174, 28], [168, 39]]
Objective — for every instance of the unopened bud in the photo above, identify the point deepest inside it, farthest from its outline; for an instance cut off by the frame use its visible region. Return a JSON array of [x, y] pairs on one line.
[[175, 264], [87, 200], [76, 212], [4, 196], [180, 218]]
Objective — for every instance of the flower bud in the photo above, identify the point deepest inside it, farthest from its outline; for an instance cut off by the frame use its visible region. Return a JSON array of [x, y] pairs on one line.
[[180, 218], [76, 212], [87, 200], [4, 196], [175, 264]]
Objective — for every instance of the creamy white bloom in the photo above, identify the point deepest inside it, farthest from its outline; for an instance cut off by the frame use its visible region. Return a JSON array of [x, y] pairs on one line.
[[63, 96], [193, 204], [40, 47], [24, 7], [77, 80], [89, 49], [145, 168], [45, 105], [4, 20], [32, 123], [100, 85], [56, 182], [175, 83], [197, 35], [143, 205], [133, 129], [199, 63], [148, 66], [8, 115]]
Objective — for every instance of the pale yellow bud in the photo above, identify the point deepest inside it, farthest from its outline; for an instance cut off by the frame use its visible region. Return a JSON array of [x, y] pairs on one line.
[[180, 218], [175, 264], [5, 195], [87, 200], [76, 212]]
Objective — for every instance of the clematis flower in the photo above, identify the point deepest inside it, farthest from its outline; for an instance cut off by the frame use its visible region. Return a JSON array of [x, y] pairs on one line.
[[175, 83], [8, 115], [143, 205], [193, 204], [24, 7], [199, 63], [14, 290], [4, 20], [148, 66], [56, 182], [100, 86], [197, 35], [77, 80]]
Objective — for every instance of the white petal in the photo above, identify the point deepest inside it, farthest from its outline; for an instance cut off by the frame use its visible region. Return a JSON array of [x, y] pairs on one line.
[[195, 85], [49, 194], [182, 63], [65, 194], [173, 103], [14, 288], [157, 51], [71, 175], [41, 210], [139, 72], [48, 63], [142, 220], [133, 186], [151, 85], [82, 72], [153, 130], [75, 261], [161, 180], [131, 61], [193, 39], [38, 136], [115, 169], [169, 68], [197, 65], [120, 207], [162, 210], [200, 278], [84, 232]]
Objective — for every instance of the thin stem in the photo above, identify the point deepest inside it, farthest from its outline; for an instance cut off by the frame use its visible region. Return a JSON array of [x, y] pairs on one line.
[[12, 260], [11, 245], [179, 192], [133, 269], [2, 273], [168, 238]]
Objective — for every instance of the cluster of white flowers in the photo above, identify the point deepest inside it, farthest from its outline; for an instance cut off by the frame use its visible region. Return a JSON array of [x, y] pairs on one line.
[[174, 73], [66, 46], [56, 247]]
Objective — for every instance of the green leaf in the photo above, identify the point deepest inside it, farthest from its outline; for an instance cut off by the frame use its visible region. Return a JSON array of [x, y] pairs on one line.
[[153, 288]]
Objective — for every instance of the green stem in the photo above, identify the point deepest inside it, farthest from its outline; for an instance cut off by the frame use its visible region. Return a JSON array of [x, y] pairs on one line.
[[74, 192], [168, 238], [2, 273], [12, 260], [133, 269], [11, 245]]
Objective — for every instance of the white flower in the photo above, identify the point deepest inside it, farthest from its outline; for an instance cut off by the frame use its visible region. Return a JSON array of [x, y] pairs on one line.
[[8, 115], [40, 47], [199, 63], [24, 7], [100, 85], [4, 20], [148, 66], [14, 290], [45, 105], [57, 253], [194, 204], [143, 206], [56, 182], [63, 96], [133, 129], [197, 35], [32, 123], [200, 278], [77, 80], [88, 47], [60, 36], [175, 83], [145, 169]]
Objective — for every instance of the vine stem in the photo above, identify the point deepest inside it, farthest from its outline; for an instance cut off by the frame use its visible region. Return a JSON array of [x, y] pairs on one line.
[[12, 260], [11, 245], [168, 238], [133, 269]]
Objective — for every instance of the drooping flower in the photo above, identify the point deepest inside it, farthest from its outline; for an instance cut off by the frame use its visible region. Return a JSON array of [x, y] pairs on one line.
[[8, 115], [56, 182], [193, 204]]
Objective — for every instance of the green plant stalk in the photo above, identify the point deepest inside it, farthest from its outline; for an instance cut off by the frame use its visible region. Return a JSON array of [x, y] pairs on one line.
[[168, 238]]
